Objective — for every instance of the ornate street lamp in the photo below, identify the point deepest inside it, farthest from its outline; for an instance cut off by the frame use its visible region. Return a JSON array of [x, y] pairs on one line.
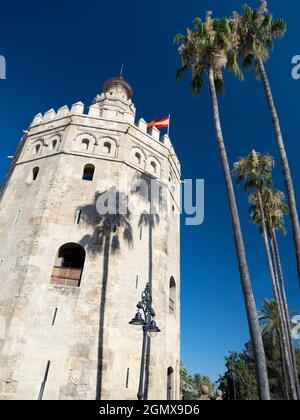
[[144, 318]]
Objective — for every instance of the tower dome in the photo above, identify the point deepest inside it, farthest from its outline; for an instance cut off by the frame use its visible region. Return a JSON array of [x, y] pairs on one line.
[[118, 86], [115, 100]]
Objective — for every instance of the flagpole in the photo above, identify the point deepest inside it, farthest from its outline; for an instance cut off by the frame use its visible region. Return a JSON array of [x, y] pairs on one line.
[[169, 125]]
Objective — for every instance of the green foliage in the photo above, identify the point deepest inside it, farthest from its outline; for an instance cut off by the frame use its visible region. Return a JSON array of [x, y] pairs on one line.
[[255, 171], [256, 30], [241, 365], [220, 43], [274, 206], [233, 64], [239, 381], [209, 44], [191, 384], [186, 383], [269, 318]]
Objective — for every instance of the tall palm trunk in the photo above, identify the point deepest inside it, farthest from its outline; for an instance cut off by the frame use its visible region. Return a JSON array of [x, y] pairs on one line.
[[256, 338], [285, 383], [284, 163], [106, 258], [286, 309], [276, 291], [286, 344]]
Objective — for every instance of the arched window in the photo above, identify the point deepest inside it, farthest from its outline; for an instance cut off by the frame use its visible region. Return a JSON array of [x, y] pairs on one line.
[[107, 147], [54, 145], [88, 172], [85, 143], [172, 296], [153, 167], [37, 149], [35, 173], [170, 384], [68, 267], [138, 158]]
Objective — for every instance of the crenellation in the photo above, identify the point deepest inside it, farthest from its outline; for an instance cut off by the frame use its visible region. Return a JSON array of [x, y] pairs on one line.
[[142, 125], [63, 112], [77, 108], [155, 133], [49, 115], [166, 141], [37, 119]]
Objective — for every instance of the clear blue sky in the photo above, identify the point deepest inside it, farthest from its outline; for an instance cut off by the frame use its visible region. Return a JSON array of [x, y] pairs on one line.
[[60, 52]]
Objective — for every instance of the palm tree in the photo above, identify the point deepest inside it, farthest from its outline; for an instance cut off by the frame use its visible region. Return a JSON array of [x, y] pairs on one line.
[[275, 209], [207, 49], [269, 317], [255, 170], [109, 227], [256, 32]]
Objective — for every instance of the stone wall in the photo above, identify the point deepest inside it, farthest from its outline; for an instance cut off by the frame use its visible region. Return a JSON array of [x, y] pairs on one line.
[[38, 216]]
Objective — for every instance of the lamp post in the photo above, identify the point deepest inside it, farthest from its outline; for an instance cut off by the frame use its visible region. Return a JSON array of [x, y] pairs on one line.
[[144, 318]]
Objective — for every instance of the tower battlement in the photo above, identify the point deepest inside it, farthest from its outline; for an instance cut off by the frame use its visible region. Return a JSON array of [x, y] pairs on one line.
[[97, 118]]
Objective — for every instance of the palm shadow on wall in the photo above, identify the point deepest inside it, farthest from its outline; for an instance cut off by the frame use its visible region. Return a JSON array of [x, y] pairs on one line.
[[148, 189], [108, 230]]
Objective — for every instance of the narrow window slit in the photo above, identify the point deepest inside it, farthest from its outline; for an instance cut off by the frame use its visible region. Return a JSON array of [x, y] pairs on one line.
[[17, 217], [127, 378], [54, 317], [78, 217], [41, 393], [35, 173]]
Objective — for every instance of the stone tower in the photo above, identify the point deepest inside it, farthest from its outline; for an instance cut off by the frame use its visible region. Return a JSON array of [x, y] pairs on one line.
[[56, 254]]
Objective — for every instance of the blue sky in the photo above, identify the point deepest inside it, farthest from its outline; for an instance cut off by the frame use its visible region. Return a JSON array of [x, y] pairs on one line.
[[60, 52]]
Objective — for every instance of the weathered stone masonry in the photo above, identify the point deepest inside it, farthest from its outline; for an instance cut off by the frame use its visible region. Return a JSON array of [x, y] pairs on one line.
[[52, 314]]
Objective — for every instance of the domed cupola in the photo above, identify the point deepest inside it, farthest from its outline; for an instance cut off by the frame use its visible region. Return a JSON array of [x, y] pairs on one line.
[[115, 101], [118, 87]]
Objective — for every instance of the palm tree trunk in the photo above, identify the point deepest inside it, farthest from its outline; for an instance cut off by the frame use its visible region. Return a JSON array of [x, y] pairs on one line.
[[286, 310], [285, 383], [256, 338], [284, 330], [106, 255], [285, 345], [284, 163]]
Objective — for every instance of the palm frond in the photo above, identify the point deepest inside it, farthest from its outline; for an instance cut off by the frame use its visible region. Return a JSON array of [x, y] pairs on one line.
[[197, 83], [233, 64], [199, 25], [248, 61], [181, 71], [179, 38], [279, 27], [219, 85]]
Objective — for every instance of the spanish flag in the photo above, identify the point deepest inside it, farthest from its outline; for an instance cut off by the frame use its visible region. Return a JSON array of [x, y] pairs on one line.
[[160, 123]]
